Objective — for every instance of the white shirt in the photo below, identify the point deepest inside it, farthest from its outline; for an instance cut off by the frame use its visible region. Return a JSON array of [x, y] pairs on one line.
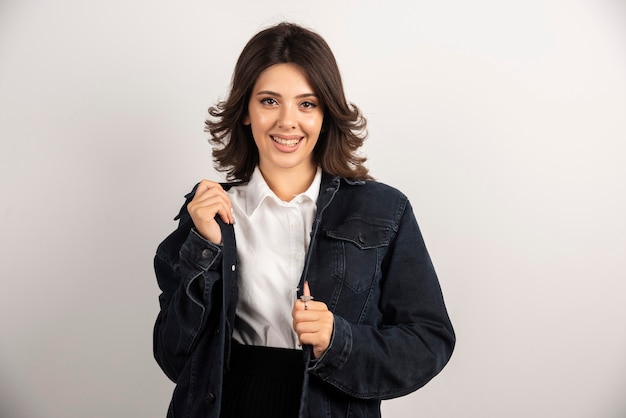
[[272, 241]]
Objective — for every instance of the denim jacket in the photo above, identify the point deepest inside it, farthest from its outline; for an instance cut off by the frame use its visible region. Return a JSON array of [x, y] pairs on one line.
[[367, 261]]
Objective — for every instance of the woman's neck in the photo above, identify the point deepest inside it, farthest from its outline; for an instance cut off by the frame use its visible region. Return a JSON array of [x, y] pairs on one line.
[[289, 183]]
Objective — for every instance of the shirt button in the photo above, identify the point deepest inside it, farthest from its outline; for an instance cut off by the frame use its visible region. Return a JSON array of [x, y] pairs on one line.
[[210, 397], [206, 253], [232, 268]]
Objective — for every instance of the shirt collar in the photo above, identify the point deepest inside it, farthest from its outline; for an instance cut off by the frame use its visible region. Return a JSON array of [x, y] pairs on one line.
[[258, 190], [313, 191]]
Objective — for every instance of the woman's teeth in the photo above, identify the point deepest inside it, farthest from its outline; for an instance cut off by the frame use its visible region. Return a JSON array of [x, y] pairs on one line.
[[289, 142]]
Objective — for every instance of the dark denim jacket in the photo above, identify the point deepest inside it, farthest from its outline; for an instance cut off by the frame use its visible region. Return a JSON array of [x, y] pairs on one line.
[[367, 261]]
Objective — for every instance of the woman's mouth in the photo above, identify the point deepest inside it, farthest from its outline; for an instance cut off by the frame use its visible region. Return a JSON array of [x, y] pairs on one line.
[[290, 142]]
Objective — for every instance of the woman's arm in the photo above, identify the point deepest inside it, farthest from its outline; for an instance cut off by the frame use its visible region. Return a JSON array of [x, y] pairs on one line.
[[187, 266], [416, 338], [187, 284]]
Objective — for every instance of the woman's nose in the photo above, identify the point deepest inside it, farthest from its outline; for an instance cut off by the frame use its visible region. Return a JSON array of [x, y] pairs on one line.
[[287, 118]]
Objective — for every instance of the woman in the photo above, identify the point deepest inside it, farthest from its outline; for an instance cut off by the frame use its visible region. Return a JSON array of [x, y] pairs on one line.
[[328, 301]]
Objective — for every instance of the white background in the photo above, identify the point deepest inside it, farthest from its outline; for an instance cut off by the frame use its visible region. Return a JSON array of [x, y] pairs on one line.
[[503, 121]]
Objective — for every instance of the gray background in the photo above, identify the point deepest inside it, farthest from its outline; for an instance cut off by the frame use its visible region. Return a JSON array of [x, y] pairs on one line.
[[503, 121]]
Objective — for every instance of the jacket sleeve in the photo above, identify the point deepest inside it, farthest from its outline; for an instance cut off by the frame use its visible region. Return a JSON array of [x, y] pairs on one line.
[[187, 268], [415, 338]]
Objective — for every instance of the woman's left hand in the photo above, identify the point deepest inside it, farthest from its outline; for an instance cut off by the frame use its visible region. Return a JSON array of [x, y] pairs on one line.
[[313, 323]]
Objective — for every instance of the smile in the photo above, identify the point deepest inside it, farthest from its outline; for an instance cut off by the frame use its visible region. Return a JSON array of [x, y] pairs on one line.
[[288, 142]]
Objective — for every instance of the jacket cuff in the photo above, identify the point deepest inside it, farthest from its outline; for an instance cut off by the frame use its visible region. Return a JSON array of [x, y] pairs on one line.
[[201, 253], [338, 351], [197, 257]]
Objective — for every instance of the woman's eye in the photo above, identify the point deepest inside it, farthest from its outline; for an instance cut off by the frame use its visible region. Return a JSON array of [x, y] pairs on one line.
[[309, 105], [268, 101]]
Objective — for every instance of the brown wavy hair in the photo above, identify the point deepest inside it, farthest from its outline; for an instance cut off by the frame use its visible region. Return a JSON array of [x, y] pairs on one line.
[[343, 129]]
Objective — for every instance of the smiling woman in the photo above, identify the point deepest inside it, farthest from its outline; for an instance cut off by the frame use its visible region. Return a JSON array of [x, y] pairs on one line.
[[286, 119], [343, 125], [239, 331]]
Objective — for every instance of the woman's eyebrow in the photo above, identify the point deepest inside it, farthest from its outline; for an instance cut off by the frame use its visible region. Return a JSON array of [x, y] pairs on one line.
[[273, 93]]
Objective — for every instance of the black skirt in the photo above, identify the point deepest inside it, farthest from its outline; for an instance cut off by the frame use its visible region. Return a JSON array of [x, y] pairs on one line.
[[262, 382]]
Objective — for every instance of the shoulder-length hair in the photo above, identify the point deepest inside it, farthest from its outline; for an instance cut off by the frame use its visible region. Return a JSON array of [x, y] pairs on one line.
[[343, 129]]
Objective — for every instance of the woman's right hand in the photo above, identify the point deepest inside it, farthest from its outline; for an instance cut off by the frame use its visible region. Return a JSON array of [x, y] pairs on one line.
[[210, 200]]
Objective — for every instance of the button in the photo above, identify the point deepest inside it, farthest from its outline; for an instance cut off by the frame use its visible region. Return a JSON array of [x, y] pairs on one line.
[[232, 268], [206, 253], [210, 397]]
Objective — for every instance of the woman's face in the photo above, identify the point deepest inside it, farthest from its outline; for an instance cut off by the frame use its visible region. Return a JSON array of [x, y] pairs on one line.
[[286, 118]]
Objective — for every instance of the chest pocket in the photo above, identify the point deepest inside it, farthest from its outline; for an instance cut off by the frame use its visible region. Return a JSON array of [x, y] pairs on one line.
[[358, 249]]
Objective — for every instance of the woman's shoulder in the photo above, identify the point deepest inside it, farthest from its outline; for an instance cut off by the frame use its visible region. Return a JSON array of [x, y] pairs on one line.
[[370, 198], [373, 188]]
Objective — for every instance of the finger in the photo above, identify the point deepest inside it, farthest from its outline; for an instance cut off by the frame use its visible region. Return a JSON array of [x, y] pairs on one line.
[[317, 335], [207, 190], [313, 306], [206, 186], [220, 206], [306, 295], [208, 206], [317, 316], [206, 194]]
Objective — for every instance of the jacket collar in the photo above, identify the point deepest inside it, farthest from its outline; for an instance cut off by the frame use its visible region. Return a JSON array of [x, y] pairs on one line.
[[329, 186]]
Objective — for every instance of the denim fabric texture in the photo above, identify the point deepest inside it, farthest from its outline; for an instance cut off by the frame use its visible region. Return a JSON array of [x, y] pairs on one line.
[[367, 261]]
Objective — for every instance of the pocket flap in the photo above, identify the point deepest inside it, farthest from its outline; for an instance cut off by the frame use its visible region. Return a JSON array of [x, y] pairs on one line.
[[362, 233]]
